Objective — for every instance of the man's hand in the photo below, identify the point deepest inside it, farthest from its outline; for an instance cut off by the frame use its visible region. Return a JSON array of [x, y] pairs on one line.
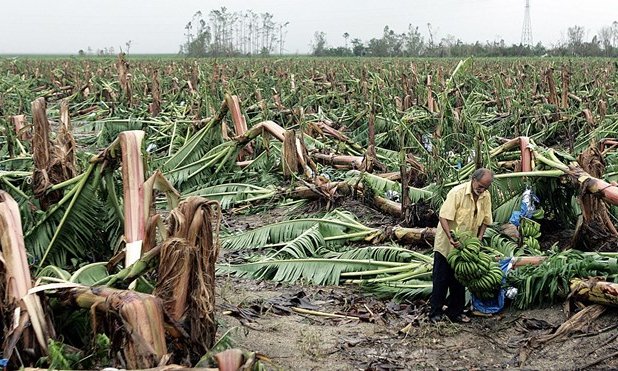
[[455, 244]]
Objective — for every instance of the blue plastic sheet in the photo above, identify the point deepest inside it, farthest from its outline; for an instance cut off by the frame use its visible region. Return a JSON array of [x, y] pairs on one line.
[[526, 208], [495, 305]]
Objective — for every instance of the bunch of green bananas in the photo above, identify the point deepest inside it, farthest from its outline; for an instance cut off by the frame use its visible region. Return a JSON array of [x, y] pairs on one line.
[[532, 243], [474, 268], [530, 231], [530, 228]]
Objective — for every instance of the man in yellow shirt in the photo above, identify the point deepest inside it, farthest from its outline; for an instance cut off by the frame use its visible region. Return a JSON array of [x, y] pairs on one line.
[[468, 208]]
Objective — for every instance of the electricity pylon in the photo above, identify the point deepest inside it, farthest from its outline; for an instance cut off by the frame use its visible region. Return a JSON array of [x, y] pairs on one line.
[[526, 33]]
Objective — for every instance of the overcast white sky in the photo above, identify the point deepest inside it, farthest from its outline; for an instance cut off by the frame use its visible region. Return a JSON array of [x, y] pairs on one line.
[[157, 26]]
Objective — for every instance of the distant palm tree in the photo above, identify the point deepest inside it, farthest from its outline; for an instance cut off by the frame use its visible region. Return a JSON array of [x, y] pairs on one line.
[[346, 36]]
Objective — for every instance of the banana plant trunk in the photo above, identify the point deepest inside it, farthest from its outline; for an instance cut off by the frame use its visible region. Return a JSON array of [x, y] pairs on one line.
[[187, 271], [289, 156], [155, 106], [595, 291], [19, 122], [54, 162], [414, 235], [339, 161], [137, 193], [240, 124], [29, 326], [134, 322], [594, 226], [135, 211], [124, 77], [42, 145]]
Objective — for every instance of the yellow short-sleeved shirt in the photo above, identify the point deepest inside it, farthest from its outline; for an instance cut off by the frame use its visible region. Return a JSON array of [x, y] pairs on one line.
[[459, 210]]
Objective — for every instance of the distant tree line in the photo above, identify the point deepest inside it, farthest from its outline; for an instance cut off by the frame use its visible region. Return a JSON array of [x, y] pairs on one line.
[[224, 33], [412, 44], [105, 52]]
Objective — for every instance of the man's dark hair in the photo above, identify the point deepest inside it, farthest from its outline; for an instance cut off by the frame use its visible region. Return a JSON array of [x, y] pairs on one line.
[[480, 173]]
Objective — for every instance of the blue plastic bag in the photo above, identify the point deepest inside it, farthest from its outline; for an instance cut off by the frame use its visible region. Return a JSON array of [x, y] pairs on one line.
[[526, 208], [494, 305]]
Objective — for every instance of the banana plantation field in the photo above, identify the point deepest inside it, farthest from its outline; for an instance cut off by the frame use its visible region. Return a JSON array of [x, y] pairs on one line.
[[280, 213]]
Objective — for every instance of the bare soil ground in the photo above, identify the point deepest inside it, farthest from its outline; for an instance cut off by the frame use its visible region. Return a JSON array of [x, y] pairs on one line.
[[260, 318], [296, 341]]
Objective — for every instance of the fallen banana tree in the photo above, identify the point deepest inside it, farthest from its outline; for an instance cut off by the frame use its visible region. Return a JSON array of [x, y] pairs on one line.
[[387, 270], [594, 290], [190, 249], [322, 251], [184, 293], [182, 304], [141, 340], [139, 219], [594, 227], [27, 323], [550, 279]]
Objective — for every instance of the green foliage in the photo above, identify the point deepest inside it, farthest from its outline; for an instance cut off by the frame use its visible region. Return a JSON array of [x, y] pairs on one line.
[[392, 253], [380, 186], [221, 157], [319, 271], [81, 236], [100, 352], [559, 200], [54, 272], [90, 274], [63, 357], [306, 244], [59, 358], [109, 129], [233, 194], [194, 149], [549, 281], [330, 227], [113, 212], [267, 161], [498, 243], [400, 292], [226, 341]]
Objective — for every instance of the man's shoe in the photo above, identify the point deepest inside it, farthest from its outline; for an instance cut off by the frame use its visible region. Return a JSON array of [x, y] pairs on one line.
[[435, 319], [461, 318]]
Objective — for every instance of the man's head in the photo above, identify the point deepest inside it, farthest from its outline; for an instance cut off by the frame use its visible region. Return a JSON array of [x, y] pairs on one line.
[[481, 180]]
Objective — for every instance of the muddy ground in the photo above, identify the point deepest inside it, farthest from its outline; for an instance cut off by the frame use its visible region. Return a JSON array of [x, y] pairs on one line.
[[260, 318], [297, 341]]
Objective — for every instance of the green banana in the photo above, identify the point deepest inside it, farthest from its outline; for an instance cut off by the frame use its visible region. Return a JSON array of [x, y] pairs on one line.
[[476, 269], [538, 214]]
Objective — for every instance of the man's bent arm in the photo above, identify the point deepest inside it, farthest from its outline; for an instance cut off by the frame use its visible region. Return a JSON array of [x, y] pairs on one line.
[[447, 229], [482, 229]]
